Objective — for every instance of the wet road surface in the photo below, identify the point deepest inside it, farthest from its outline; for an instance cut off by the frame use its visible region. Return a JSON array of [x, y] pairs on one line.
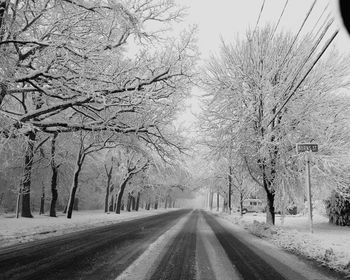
[[179, 261], [206, 249], [99, 253], [201, 247]]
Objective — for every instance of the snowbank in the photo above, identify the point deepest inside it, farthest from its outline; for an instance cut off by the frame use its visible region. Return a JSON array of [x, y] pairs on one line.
[[329, 245], [14, 231]]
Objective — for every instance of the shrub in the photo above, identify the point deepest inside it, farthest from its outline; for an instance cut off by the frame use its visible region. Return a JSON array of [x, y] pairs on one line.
[[262, 229], [338, 209]]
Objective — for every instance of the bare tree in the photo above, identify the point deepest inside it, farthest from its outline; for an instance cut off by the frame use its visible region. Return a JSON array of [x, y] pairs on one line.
[[134, 164], [109, 173], [54, 176], [87, 146]]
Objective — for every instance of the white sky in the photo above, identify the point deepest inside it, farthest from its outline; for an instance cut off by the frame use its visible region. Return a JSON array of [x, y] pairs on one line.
[[228, 18]]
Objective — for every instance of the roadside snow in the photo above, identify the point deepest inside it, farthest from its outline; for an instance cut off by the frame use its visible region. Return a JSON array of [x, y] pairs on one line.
[[14, 231], [329, 245], [286, 264]]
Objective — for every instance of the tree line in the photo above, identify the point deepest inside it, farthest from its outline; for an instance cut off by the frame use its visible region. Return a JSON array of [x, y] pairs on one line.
[[80, 79]]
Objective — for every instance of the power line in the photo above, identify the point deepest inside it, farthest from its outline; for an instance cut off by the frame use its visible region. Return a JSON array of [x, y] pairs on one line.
[[319, 18], [299, 31], [261, 10], [305, 76], [279, 19], [318, 41]]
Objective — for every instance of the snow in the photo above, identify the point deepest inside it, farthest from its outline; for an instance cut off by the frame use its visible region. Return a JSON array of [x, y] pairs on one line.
[[144, 266], [329, 245], [220, 264], [286, 264], [14, 231]]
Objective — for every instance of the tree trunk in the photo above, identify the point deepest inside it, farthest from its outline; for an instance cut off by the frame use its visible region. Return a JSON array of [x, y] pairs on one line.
[[156, 204], [54, 169], [148, 205], [74, 188], [3, 11], [1, 199], [170, 202], [120, 196], [270, 192], [217, 201], [54, 194], [229, 189], [224, 206], [3, 87], [241, 203], [28, 164], [211, 197], [115, 202], [76, 204], [137, 201], [18, 202], [107, 197], [133, 203], [109, 177], [270, 209], [270, 196], [128, 205], [42, 202], [111, 206]]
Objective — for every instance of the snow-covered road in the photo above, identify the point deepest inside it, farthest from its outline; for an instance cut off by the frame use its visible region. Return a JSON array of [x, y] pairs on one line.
[[202, 246], [175, 245], [96, 253]]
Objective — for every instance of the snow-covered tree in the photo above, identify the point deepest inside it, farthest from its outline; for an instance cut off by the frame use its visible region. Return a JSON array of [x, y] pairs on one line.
[[104, 60], [262, 100]]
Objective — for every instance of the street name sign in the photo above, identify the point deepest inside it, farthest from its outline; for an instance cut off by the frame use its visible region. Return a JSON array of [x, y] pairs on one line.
[[307, 147]]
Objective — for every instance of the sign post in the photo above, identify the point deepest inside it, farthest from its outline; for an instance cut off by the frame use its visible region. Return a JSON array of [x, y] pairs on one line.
[[301, 148], [308, 189]]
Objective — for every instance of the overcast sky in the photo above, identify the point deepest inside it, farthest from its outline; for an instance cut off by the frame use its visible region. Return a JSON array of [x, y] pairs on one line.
[[228, 18]]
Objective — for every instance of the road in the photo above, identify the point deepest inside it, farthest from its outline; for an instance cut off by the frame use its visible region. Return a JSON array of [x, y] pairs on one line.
[[99, 253], [177, 245], [207, 249]]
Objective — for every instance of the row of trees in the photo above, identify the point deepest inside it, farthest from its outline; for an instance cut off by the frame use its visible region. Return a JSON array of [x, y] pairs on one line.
[[221, 183], [268, 91], [86, 77]]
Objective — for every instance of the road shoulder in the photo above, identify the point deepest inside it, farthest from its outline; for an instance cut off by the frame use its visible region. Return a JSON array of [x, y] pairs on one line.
[[285, 263], [22, 230]]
